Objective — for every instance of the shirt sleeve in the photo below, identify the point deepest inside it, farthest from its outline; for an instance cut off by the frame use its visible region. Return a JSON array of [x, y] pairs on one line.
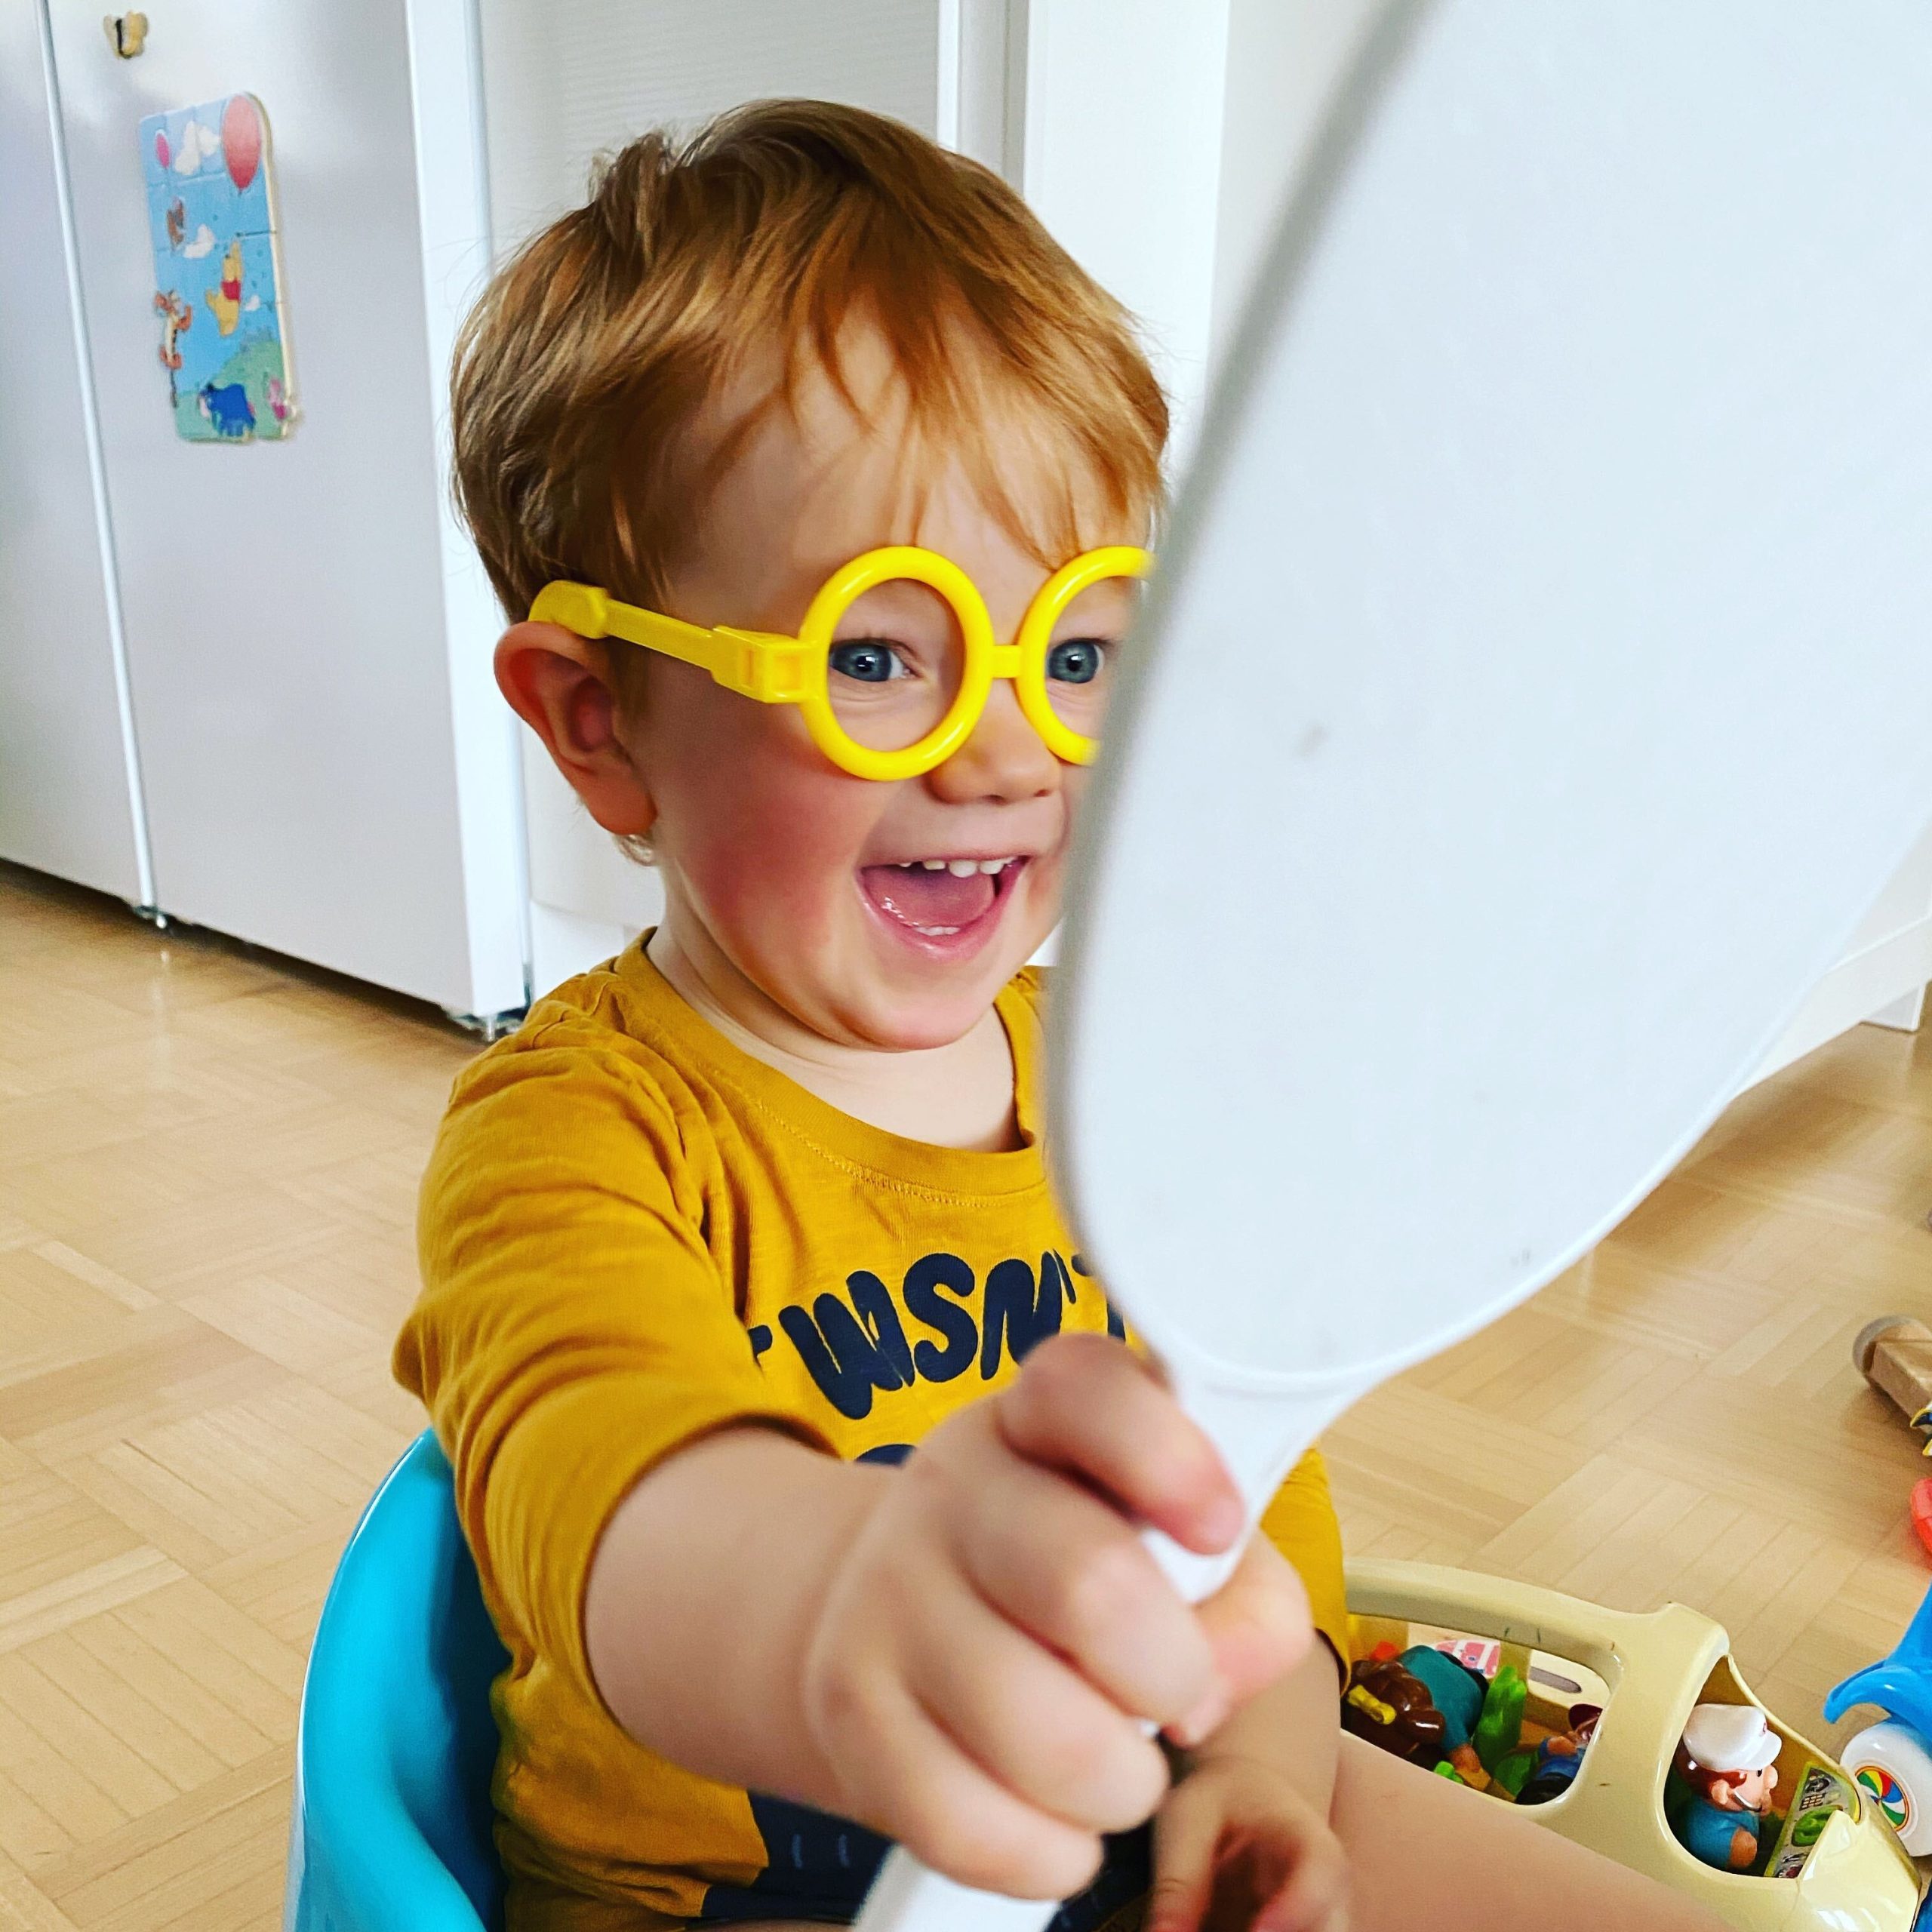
[[572, 1330], [1301, 1522]]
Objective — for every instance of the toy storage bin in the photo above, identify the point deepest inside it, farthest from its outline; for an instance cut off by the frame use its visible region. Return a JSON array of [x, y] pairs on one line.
[[1852, 1876]]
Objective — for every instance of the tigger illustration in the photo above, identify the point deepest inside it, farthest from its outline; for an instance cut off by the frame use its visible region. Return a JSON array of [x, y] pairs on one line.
[[177, 316]]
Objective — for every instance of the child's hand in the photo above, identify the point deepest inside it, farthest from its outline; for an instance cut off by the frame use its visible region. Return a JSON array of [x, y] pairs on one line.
[[977, 1671], [1237, 1846]]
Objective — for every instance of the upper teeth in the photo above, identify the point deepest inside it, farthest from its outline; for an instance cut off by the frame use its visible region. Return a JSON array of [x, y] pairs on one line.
[[963, 868]]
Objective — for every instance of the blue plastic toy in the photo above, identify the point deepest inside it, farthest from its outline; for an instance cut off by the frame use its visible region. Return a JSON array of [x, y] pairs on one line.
[[391, 1827], [1893, 1760]]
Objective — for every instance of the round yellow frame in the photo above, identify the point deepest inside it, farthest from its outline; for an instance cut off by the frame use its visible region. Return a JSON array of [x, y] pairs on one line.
[[776, 669]]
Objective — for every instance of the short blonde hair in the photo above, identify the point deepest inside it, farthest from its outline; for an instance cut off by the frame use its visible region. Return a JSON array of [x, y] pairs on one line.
[[583, 373]]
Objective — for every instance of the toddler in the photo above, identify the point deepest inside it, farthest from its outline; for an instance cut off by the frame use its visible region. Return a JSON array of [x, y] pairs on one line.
[[783, 441]]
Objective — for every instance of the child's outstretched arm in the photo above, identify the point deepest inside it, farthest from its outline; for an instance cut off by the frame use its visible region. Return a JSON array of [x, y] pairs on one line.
[[958, 1652]]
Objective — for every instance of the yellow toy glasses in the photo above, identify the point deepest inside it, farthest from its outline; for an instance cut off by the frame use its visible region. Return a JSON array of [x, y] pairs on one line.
[[901, 691]]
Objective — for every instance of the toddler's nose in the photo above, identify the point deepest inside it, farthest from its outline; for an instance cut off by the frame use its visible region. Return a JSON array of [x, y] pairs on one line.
[[1004, 759]]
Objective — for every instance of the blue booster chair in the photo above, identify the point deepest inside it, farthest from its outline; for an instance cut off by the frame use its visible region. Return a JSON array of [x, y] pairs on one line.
[[390, 1831]]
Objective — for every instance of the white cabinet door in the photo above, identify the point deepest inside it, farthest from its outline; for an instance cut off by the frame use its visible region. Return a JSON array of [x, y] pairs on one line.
[[68, 804], [303, 709]]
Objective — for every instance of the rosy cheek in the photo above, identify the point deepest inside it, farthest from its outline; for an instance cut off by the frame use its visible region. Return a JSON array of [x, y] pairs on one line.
[[768, 875], [765, 833]]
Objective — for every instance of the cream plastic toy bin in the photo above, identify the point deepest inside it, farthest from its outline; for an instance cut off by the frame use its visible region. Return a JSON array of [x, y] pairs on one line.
[[1854, 1877]]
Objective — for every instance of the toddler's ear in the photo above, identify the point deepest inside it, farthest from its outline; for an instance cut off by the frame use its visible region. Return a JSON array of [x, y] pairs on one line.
[[559, 684]]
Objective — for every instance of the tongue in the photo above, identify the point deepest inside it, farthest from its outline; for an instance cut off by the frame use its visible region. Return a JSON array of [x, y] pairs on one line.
[[921, 898]]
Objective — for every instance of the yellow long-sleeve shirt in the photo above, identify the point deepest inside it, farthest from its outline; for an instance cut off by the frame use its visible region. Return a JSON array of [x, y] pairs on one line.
[[632, 1233]]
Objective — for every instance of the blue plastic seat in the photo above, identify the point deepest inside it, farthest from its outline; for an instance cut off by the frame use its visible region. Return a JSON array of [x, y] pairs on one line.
[[391, 1825]]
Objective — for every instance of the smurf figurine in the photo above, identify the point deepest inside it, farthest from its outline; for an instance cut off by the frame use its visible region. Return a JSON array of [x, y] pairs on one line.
[[1727, 1763]]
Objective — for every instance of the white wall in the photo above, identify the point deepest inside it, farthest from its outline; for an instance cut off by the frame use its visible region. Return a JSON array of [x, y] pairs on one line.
[[1883, 974], [1161, 136]]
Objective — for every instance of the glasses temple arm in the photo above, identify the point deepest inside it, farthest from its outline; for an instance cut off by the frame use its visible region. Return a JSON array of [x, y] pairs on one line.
[[595, 614], [671, 637]]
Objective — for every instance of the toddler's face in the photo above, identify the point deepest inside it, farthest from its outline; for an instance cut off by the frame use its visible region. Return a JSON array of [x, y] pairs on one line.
[[887, 914]]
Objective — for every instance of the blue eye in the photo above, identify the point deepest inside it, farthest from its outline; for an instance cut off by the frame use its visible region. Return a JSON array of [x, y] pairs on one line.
[[866, 661], [1077, 660]]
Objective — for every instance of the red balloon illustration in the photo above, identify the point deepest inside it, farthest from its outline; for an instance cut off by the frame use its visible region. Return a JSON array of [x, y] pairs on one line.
[[242, 139], [162, 153]]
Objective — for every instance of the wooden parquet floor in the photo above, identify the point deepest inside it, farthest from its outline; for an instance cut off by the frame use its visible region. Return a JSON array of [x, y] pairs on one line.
[[207, 1168]]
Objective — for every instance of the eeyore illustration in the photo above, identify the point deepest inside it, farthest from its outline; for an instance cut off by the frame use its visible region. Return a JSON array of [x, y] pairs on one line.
[[228, 408]]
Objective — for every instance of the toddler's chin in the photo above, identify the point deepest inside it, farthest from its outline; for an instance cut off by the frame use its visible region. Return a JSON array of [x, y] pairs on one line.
[[916, 1026], [917, 1018]]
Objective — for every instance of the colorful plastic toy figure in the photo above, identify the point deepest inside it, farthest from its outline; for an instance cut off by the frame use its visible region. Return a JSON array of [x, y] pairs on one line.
[[1428, 1706], [1558, 1758], [1892, 1762], [1424, 1705], [1390, 1707], [1499, 1729], [1457, 1692], [1728, 1762]]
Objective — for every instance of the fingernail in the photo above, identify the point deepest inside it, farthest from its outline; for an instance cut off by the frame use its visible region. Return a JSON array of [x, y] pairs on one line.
[[1226, 1518], [1206, 1717]]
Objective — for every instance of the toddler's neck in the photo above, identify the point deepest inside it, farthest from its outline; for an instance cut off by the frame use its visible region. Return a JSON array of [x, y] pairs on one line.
[[959, 1095]]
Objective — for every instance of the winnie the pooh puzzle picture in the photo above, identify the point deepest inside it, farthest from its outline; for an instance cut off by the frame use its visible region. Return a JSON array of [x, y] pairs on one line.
[[217, 271]]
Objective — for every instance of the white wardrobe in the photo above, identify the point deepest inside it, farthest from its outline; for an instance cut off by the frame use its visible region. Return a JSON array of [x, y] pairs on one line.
[[247, 685], [68, 801]]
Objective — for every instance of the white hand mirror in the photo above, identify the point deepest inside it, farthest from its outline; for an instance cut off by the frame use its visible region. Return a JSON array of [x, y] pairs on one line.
[[1536, 688]]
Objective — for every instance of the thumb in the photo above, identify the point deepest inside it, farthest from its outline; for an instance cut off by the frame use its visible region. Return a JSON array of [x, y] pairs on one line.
[[1257, 1621], [1186, 1836]]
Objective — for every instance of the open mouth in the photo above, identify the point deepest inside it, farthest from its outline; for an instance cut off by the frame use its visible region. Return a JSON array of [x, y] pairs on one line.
[[943, 904]]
